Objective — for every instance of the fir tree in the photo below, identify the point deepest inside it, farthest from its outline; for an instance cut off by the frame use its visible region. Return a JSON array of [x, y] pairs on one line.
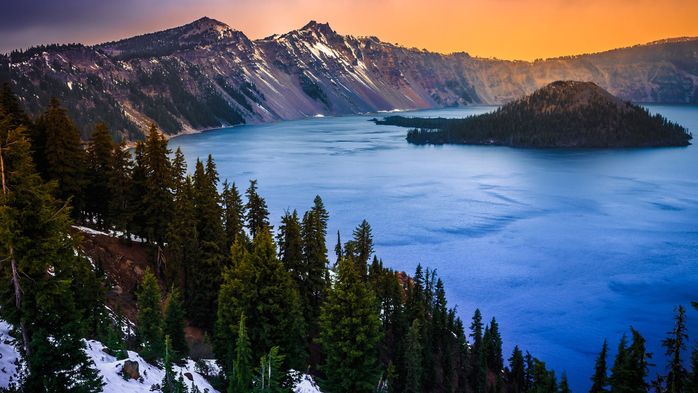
[[479, 364], [62, 155], [258, 285], [413, 359], [600, 378], [157, 199], [637, 364], [257, 213], [34, 240], [183, 240], [314, 233], [564, 386], [234, 215], [170, 384], [100, 163], [350, 331], [179, 171], [517, 375], [119, 185], [361, 247], [174, 325], [240, 375], [270, 374], [619, 372], [149, 331], [676, 345]]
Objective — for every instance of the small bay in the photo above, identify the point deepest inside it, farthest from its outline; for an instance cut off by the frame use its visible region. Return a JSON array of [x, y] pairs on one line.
[[565, 247]]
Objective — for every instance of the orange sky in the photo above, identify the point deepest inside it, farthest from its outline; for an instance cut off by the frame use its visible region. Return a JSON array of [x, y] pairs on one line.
[[506, 29]]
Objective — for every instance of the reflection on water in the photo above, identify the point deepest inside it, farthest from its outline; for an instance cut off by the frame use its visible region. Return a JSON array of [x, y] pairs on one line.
[[565, 247]]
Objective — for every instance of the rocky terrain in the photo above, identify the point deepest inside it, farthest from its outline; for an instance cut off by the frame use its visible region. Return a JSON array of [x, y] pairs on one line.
[[206, 75]]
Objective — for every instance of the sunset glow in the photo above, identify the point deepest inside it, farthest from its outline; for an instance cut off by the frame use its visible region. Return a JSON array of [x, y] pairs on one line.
[[506, 29]]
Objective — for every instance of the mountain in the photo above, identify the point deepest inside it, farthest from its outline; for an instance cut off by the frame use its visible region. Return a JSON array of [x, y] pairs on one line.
[[207, 75], [561, 114]]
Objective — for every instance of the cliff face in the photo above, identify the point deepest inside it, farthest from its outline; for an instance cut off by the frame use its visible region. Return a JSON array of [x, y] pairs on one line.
[[206, 75]]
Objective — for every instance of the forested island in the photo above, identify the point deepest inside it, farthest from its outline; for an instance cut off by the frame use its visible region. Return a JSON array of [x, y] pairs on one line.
[[561, 114]]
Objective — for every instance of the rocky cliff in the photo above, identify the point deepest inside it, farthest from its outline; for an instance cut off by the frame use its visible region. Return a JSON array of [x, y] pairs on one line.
[[206, 75]]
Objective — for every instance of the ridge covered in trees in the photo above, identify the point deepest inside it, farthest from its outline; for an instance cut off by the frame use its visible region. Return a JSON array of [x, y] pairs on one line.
[[269, 301], [561, 114]]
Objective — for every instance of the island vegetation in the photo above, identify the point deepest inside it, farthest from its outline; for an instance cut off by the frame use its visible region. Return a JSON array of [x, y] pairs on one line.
[[270, 301], [561, 114]]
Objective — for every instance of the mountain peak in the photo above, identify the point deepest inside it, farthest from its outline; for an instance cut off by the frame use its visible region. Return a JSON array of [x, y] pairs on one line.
[[323, 28]]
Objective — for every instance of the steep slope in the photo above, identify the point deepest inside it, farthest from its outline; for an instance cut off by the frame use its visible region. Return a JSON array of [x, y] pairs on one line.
[[561, 114], [206, 75]]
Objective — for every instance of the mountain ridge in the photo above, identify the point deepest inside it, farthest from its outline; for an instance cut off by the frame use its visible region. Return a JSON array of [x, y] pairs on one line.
[[207, 75]]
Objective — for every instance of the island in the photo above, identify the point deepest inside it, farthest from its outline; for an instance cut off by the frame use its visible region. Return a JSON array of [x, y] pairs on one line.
[[566, 114]]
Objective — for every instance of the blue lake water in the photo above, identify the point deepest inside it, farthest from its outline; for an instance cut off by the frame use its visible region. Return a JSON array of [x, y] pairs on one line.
[[564, 247]]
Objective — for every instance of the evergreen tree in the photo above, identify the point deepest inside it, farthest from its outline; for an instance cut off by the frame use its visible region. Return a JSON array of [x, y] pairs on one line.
[[240, 374], [149, 331], [600, 378], [234, 215], [170, 384], [413, 359], [116, 345], [183, 240], [100, 164], [350, 331], [619, 372], [119, 185], [179, 171], [35, 240], [676, 345], [174, 325], [314, 232], [62, 155], [637, 364], [270, 374], [257, 212], [258, 285], [157, 199], [479, 364], [90, 298], [206, 274], [494, 359], [137, 191], [291, 249], [517, 375], [361, 248], [564, 385], [338, 249]]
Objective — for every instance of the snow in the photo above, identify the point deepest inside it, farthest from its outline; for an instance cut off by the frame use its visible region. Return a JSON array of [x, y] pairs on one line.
[[110, 369], [110, 234]]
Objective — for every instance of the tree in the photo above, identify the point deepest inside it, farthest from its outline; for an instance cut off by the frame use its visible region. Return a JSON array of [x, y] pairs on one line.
[[119, 185], [257, 213], [270, 374], [61, 158], [361, 248], [258, 285], [619, 372], [174, 325], [676, 345], [479, 365], [240, 374], [157, 199], [35, 241], [100, 164], [349, 333], [413, 359], [169, 383], [183, 241], [149, 331], [314, 232], [517, 374], [233, 216], [564, 385], [600, 378]]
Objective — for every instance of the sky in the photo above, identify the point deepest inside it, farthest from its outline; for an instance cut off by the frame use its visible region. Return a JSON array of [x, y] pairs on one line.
[[505, 29]]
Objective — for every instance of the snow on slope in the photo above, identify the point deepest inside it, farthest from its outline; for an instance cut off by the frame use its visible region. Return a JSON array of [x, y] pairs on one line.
[[110, 369]]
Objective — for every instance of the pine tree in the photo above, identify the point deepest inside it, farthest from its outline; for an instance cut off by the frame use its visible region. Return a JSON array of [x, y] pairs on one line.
[[350, 331], [34, 240], [258, 285], [234, 216], [413, 359], [479, 364], [600, 378], [637, 364], [116, 345], [174, 325], [619, 372], [149, 331], [157, 199], [100, 163], [183, 240], [62, 155], [676, 345], [179, 171], [257, 213], [137, 190], [170, 384]]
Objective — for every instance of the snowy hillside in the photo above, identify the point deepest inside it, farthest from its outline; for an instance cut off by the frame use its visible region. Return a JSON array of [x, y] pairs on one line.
[[110, 369]]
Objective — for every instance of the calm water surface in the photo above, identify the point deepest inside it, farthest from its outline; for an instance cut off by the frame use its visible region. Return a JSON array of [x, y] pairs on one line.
[[564, 247]]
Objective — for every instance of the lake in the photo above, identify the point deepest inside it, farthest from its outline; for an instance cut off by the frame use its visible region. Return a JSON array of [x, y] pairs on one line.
[[564, 247]]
